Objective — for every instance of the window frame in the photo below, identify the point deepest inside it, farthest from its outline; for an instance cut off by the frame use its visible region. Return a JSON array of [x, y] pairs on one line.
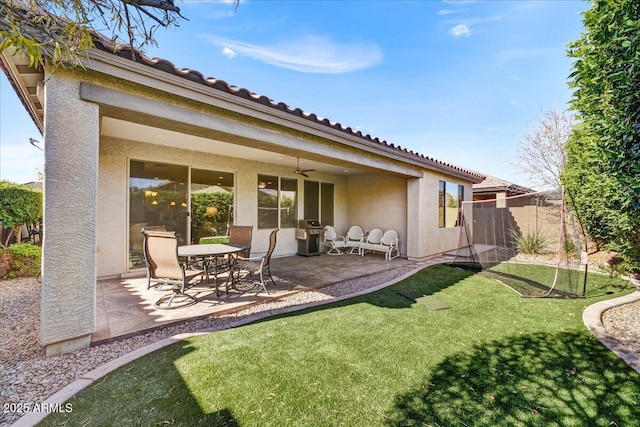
[[444, 188], [268, 184]]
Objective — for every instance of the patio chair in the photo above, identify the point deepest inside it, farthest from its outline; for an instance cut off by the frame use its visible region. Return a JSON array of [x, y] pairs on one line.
[[248, 268], [334, 241], [241, 235], [238, 235], [138, 243], [374, 237], [355, 236], [390, 244], [160, 250], [387, 244]]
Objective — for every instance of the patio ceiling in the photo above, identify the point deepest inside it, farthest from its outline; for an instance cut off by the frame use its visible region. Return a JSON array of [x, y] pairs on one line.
[[118, 128]]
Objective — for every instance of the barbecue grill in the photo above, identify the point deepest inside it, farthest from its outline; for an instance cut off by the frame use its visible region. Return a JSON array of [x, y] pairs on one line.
[[308, 234]]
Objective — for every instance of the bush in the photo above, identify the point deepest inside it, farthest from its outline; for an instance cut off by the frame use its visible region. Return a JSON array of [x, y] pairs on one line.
[[20, 260], [19, 205], [533, 242], [603, 155]]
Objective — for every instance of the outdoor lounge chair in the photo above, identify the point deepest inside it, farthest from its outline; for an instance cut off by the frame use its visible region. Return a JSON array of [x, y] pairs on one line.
[[248, 268], [386, 243], [334, 241], [355, 236], [160, 250]]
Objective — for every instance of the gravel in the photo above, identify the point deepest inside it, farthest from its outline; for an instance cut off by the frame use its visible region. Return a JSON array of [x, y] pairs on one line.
[[30, 377], [623, 323]]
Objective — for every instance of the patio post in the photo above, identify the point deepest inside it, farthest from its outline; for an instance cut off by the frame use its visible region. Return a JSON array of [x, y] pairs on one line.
[[71, 134]]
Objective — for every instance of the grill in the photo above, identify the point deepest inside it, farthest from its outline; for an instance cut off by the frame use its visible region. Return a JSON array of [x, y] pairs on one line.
[[308, 235]]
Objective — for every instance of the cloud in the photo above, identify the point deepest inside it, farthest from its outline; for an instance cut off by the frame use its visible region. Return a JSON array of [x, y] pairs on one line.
[[229, 52], [311, 54], [460, 30]]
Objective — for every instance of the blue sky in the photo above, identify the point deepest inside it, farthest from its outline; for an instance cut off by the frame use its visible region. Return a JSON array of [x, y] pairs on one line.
[[460, 81]]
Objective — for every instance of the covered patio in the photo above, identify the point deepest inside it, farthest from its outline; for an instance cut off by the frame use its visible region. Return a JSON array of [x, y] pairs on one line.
[[125, 306], [135, 142]]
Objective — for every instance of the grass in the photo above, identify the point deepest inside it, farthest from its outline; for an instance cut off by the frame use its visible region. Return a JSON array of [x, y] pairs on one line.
[[536, 280], [493, 359]]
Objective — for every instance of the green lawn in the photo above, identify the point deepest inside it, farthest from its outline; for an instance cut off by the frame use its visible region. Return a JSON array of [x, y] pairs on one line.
[[493, 359], [536, 280]]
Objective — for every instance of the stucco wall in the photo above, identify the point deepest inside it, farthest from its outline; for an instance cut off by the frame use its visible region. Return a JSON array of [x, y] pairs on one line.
[[71, 174], [447, 238], [377, 201], [427, 238], [409, 206], [113, 196]]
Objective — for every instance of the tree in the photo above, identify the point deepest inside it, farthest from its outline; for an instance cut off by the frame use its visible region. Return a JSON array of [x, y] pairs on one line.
[[19, 205], [61, 30], [541, 155], [202, 217], [603, 155]]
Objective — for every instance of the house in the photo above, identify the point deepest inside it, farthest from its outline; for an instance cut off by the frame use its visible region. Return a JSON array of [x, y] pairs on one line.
[[492, 188], [130, 141]]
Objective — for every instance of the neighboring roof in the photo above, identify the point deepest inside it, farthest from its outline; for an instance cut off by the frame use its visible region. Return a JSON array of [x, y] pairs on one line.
[[34, 185], [491, 184]]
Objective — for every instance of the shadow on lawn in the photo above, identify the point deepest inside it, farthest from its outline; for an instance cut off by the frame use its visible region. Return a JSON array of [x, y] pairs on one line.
[[148, 401], [560, 379], [428, 281]]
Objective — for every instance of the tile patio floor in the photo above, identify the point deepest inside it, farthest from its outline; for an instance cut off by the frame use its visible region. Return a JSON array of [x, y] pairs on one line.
[[125, 306]]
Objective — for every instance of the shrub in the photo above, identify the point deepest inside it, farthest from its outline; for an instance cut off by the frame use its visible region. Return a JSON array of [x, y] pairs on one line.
[[20, 260], [569, 247], [19, 205], [533, 242]]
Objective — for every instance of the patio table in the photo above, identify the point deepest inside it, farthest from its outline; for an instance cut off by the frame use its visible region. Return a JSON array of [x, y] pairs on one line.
[[210, 253]]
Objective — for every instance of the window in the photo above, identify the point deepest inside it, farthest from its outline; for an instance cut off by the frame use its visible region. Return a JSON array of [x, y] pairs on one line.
[[267, 201], [326, 203], [288, 203], [318, 201], [277, 202], [450, 197], [211, 203]]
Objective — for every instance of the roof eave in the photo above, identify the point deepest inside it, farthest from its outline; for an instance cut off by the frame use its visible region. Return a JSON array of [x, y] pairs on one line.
[[16, 75], [258, 106]]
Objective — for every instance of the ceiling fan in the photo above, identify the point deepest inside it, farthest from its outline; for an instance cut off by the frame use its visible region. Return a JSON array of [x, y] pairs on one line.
[[302, 172]]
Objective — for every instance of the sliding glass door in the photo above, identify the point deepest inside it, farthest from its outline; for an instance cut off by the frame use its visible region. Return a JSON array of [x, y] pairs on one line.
[[211, 203], [158, 194]]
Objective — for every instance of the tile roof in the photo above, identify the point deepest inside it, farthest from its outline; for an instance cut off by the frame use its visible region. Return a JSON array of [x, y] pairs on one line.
[[125, 51], [492, 184]]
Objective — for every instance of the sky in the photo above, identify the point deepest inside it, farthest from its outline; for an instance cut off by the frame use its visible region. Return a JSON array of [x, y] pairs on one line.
[[460, 81]]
